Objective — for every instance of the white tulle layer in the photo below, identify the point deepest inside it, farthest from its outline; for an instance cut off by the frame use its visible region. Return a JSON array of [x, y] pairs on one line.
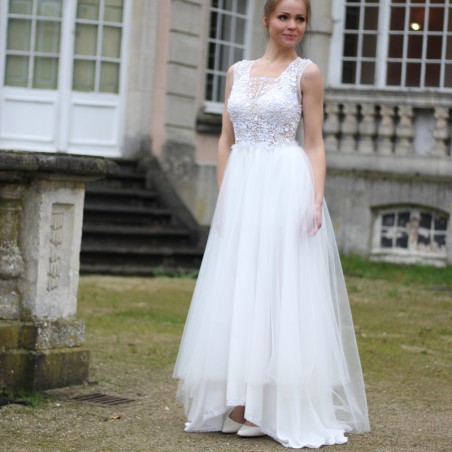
[[269, 326]]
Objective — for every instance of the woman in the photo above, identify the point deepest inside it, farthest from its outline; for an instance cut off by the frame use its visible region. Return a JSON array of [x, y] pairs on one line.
[[269, 346]]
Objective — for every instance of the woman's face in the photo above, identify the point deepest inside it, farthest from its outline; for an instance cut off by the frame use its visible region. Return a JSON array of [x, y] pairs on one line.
[[287, 23]]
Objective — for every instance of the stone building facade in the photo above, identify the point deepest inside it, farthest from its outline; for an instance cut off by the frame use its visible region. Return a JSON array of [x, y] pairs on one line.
[[119, 78]]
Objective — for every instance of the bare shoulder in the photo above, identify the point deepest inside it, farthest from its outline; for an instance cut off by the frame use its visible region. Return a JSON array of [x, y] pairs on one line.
[[312, 78]]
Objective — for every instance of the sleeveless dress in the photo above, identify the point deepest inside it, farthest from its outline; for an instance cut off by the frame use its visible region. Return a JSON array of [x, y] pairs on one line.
[[269, 326]]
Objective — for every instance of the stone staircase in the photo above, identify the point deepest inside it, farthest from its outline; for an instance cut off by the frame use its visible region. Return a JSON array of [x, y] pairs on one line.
[[135, 224]]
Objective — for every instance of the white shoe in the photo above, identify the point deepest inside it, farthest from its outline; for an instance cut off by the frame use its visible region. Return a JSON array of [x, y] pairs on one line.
[[248, 431], [230, 426]]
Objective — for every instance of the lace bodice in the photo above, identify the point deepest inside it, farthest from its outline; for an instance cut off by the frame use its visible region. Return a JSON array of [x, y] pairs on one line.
[[266, 110]]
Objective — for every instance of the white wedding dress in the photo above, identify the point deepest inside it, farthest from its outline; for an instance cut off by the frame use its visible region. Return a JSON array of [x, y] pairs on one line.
[[269, 325]]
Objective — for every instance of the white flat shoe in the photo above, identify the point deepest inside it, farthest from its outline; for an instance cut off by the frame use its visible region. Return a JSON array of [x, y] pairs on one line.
[[230, 426], [248, 431]]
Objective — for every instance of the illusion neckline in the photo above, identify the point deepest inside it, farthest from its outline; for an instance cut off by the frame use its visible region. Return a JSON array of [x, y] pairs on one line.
[[267, 76]]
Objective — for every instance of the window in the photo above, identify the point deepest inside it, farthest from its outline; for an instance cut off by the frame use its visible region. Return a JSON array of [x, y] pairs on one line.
[[415, 39], [97, 46], [226, 45], [33, 43], [410, 233]]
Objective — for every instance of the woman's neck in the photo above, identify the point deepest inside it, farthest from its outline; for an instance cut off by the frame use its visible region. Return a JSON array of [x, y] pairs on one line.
[[273, 55]]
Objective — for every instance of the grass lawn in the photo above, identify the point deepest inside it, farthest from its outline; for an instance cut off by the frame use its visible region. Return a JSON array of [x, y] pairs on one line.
[[402, 318]]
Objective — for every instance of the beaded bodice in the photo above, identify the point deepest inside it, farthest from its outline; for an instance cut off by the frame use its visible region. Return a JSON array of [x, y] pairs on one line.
[[266, 110]]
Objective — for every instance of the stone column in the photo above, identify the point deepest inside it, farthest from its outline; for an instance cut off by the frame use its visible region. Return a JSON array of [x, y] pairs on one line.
[[41, 210], [349, 129], [386, 130], [367, 129], [441, 132], [404, 131]]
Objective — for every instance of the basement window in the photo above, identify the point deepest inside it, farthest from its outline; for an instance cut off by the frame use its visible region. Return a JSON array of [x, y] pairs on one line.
[[410, 235]]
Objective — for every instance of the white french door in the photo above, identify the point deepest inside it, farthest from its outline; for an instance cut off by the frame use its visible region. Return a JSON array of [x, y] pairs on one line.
[[63, 75]]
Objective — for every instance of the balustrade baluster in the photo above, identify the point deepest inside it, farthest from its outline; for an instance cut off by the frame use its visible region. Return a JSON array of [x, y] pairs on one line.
[[349, 128], [331, 127], [386, 130], [404, 130], [441, 132], [367, 129]]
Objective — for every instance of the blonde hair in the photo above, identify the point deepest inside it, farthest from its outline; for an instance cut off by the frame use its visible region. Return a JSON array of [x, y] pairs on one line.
[[270, 6]]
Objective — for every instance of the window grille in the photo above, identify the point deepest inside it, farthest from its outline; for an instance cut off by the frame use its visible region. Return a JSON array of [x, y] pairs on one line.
[[97, 45], [226, 44], [416, 43], [33, 43]]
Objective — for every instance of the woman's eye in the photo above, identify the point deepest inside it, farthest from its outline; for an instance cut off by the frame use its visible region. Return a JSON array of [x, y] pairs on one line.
[[282, 17], [300, 19]]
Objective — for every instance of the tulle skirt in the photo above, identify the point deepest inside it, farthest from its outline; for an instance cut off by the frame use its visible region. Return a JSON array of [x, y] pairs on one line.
[[269, 325]]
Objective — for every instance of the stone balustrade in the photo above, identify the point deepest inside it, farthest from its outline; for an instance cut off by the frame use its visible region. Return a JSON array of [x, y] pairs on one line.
[[388, 123]]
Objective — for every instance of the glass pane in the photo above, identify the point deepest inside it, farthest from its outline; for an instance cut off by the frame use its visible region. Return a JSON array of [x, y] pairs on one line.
[[402, 240], [113, 10], [213, 25], [398, 19], [386, 239], [50, 8], [395, 46], [369, 46], [240, 31], [45, 73], [83, 75], [20, 6], [434, 47], [440, 241], [19, 33], [436, 19], [448, 76], [227, 5], [415, 46], [221, 88], [367, 73], [403, 219], [352, 18], [388, 219], [88, 9], [350, 45], [241, 6], [423, 239], [371, 19], [449, 48], [85, 40], [394, 74], [449, 28], [226, 28], [224, 61], [440, 223], [238, 54], [425, 221], [432, 73], [109, 78], [413, 75], [47, 36], [417, 16], [349, 72], [16, 73], [111, 42], [209, 87]]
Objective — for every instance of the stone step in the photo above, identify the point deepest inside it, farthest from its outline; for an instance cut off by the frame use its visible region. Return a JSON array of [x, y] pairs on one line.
[[125, 197], [134, 236], [107, 214]]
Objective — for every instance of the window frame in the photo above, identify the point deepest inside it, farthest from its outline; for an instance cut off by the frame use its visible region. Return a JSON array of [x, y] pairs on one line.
[[215, 106], [381, 57]]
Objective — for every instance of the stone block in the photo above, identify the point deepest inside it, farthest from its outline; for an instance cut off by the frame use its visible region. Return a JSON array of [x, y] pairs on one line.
[[10, 335], [9, 300], [41, 370]]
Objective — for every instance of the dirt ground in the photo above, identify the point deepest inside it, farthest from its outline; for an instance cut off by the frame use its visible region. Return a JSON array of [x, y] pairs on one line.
[[400, 419]]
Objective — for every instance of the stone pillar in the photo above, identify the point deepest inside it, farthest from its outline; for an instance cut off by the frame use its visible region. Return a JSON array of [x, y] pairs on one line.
[[386, 130], [41, 210], [367, 129], [349, 129], [331, 126], [441, 132], [404, 131]]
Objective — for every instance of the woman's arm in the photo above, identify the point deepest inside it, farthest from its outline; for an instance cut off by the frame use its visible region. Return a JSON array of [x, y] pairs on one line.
[[312, 100], [227, 138]]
